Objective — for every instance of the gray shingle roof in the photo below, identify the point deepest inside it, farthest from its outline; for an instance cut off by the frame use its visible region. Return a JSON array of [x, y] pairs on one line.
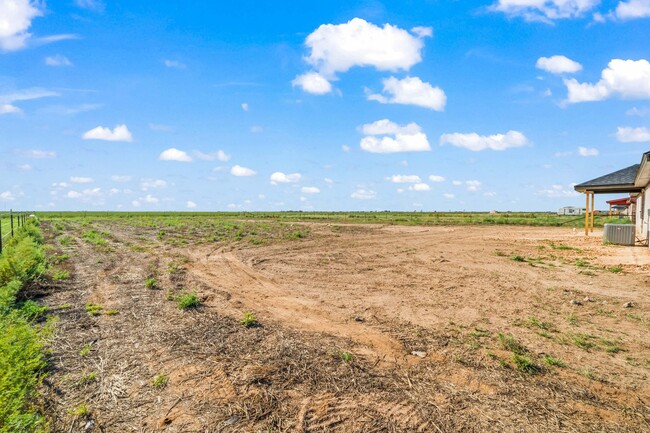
[[624, 177]]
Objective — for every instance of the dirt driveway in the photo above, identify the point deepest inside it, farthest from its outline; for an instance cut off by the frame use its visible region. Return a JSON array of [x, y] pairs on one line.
[[363, 328]]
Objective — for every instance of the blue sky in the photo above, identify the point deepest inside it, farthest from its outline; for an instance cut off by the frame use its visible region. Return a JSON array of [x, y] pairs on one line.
[[367, 105]]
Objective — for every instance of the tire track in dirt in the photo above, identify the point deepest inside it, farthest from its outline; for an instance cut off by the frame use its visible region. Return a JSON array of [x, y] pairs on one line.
[[326, 412], [266, 296]]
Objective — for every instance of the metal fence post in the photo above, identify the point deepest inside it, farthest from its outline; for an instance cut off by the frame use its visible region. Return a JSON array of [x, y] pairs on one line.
[[11, 216]]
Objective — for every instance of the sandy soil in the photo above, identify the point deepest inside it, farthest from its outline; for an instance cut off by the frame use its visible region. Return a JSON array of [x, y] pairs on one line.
[[424, 313]]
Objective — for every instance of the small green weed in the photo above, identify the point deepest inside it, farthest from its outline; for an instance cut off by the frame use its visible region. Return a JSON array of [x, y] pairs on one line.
[[159, 381], [509, 343], [345, 356], [94, 309], [85, 351], [80, 411], [112, 312], [554, 362], [615, 269], [151, 283], [66, 241], [525, 364], [187, 300], [249, 320], [88, 378], [60, 274], [518, 258]]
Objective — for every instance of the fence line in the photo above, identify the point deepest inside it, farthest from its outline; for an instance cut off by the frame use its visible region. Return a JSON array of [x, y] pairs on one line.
[[9, 223]]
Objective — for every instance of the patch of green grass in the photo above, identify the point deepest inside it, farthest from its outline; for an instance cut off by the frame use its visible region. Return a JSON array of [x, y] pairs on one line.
[[500, 253], [64, 306], [249, 320], [88, 378], [554, 362], [187, 300], [94, 309], [525, 364], [510, 343], [58, 258], [518, 258], [562, 247], [573, 319], [583, 341], [94, 237], [60, 274], [151, 283], [32, 311], [112, 313], [85, 351], [546, 326], [159, 381], [615, 269], [66, 241], [582, 263], [80, 411], [298, 234], [346, 356]]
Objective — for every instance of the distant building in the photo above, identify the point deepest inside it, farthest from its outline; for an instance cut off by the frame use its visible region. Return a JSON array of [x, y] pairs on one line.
[[571, 210]]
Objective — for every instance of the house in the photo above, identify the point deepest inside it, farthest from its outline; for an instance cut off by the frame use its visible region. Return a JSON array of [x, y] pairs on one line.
[[571, 210], [633, 180], [625, 206]]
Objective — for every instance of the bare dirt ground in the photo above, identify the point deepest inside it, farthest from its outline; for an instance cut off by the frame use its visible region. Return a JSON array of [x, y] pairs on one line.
[[362, 329]]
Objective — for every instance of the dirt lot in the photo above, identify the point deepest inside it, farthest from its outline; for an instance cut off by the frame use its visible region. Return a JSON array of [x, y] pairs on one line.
[[361, 329]]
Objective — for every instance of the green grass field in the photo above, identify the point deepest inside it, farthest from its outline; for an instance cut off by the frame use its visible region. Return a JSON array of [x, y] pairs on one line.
[[402, 218]]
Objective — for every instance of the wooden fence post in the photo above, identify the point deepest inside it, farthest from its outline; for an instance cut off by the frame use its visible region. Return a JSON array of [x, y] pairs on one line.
[[11, 216]]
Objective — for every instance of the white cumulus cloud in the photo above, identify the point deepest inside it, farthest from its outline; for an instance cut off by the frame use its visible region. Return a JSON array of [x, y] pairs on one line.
[[633, 135], [57, 60], [279, 177], [627, 79], [419, 187], [411, 91], [544, 10], [558, 65], [9, 109], [219, 155], [473, 185], [175, 64], [119, 133], [404, 178], [174, 154], [310, 190], [80, 179], [121, 179], [476, 143], [632, 9], [335, 48], [190, 204], [363, 194], [436, 178], [147, 184], [558, 191], [15, 20], [7, 196], [587, 151], [240, 171], [312, 82], [384, 136], [338, 47]]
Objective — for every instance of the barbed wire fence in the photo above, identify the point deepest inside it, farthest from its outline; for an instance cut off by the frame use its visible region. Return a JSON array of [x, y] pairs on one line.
[[10, 222]]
